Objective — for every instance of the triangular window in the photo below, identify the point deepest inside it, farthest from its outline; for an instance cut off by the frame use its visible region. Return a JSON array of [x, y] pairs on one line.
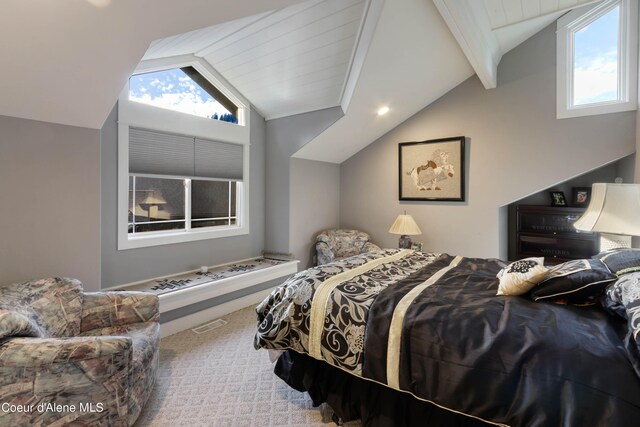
[[184, 90]]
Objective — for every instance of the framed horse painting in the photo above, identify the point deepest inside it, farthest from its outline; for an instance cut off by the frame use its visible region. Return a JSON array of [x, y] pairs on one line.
[[432, 170]]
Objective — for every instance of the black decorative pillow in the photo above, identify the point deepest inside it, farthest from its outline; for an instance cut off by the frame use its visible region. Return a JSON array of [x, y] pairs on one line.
[[623, 298], [580, 281], [521, 276], [621, 261]]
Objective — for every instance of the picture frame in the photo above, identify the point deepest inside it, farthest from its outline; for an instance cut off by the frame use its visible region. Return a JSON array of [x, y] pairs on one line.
[[416, 246], [557, 198], [581, 196], [432, 170]]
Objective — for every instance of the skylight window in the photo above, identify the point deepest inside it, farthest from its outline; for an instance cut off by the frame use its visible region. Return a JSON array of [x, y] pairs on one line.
[[597, 59], [183, 90]]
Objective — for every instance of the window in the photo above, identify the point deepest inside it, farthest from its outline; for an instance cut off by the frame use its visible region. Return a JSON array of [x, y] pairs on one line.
[[597, 54], [159, 204], [156, 204], [183, 90], [595, 60], [181, 177]]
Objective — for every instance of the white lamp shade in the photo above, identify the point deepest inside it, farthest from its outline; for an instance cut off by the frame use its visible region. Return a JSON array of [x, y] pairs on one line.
[[613, 209], [154, 198], [405, 225]]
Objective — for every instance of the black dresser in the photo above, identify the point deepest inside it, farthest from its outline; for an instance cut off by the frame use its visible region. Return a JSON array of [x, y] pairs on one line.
[[549, 232]]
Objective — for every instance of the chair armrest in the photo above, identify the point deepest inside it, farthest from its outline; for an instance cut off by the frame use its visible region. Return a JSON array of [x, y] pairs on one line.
[[370, 247], [33, 352], [116, 308], [324, 254]]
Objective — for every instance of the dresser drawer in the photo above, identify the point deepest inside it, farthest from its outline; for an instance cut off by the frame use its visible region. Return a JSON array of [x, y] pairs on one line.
[[557, 246], [551, 223]]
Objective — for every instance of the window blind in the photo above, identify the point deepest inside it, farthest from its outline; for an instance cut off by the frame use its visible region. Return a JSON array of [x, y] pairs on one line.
[[159, 153], [218, 159]]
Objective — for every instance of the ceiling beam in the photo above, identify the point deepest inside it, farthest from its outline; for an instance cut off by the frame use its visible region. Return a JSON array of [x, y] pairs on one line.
[[372, 13], [480, 45]]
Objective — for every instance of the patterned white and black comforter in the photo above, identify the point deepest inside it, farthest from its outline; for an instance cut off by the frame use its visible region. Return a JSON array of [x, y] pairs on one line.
[[285, 315], [432, 325]]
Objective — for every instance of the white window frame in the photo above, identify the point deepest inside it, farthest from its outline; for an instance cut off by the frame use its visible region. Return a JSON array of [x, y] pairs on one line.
[[188, 220], [572, 22], [135, 114]]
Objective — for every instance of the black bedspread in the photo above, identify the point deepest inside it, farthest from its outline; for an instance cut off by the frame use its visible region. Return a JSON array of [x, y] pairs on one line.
[[440, 334], [504, 359]]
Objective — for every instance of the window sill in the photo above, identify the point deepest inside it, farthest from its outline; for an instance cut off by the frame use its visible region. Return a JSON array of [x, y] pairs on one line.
[[128, 242], [593, 110]]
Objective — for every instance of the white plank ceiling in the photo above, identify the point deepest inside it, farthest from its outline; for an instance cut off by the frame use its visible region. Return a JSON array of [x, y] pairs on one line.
[[508, 12], [487, 29], [285, 62]]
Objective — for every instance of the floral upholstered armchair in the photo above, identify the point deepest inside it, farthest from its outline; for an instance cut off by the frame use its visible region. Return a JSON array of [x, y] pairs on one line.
[[332, 245], [74, 357]]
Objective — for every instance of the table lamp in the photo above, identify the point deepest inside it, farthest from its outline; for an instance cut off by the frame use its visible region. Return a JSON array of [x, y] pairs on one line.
[[614, 212], [405, 226], [153, 199]]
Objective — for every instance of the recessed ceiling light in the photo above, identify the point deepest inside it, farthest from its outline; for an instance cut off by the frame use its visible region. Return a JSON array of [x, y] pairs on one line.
[[383, 110]]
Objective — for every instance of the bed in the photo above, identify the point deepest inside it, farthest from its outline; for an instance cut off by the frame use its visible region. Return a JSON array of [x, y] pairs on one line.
[[398, 337]]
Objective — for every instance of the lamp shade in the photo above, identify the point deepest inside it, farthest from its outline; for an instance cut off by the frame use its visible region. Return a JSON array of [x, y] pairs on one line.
[[154, 198], [405, 225], [613, 209]]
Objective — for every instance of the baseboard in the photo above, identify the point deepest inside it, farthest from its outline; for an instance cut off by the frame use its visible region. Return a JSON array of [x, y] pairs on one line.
[[195, 319]]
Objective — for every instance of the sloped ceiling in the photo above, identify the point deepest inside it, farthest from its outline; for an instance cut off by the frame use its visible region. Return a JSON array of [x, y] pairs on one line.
[[420, 51], [66, 61], [503, 13], [287, 61], [487, 29], [412, 60]]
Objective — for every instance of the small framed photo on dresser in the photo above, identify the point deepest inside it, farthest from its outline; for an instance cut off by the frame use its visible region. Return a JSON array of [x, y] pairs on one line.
[[557, 198], [581, 196]]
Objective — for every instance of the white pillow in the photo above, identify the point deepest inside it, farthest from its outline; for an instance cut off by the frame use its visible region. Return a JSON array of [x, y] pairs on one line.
[[521, 276]]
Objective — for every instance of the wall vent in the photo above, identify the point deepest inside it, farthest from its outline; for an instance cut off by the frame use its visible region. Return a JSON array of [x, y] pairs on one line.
[[209, 326]]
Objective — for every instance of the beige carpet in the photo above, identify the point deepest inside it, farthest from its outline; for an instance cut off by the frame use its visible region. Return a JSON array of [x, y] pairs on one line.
[[218, 379]]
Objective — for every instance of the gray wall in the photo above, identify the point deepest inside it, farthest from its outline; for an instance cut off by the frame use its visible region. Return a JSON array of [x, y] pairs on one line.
[[285, 136], [623, 168], [119, 267], [516, 148], [315, 205], [50, 210], [636, 242]]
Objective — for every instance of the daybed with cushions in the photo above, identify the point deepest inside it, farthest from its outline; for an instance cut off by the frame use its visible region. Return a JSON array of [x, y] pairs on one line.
[[96, 354], [400, 338]]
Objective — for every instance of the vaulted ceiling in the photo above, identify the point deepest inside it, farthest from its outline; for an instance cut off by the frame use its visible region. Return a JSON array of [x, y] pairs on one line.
[[67, 61], [487, 29], [287, 61]]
